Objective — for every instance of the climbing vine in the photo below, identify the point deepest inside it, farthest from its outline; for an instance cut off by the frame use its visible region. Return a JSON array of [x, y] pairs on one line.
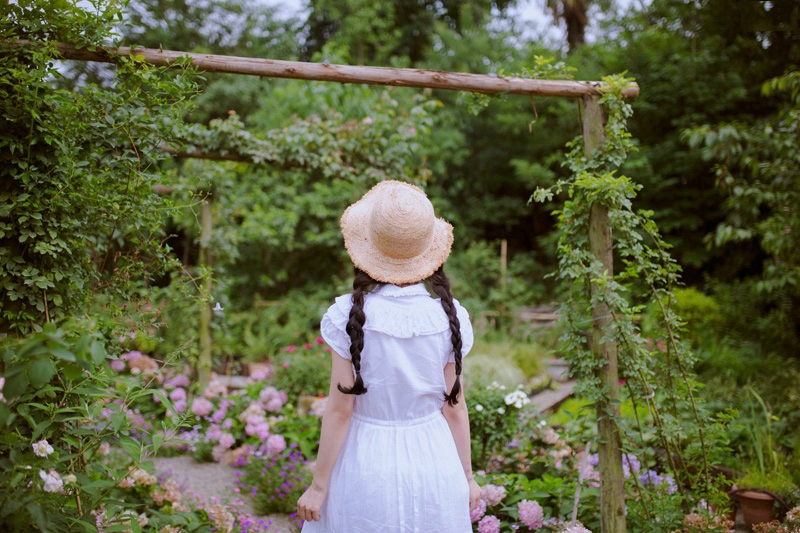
[[657, 374]]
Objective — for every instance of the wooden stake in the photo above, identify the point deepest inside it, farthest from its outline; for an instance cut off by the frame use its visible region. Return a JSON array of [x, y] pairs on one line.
[[400, 77], [612, 488], [204, 357], [503, 264]]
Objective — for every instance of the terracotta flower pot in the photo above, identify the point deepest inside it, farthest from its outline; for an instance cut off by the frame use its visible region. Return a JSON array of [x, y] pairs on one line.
[[756, 507]]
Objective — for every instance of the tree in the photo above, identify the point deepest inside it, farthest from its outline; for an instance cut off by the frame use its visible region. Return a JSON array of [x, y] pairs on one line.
[[382, 33], [757, 165]]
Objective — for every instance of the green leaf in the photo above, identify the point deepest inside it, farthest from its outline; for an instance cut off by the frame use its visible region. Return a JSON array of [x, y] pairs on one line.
[[40, 372], [98, 352], [63, 354]]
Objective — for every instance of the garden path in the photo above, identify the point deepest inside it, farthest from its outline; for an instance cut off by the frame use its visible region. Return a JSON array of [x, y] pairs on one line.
[[213, 480]]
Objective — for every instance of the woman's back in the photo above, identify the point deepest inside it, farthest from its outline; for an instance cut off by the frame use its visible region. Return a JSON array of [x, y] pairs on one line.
[[407, 343]]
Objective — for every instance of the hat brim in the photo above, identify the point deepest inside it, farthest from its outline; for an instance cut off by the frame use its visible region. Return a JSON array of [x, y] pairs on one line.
[[355, 223]]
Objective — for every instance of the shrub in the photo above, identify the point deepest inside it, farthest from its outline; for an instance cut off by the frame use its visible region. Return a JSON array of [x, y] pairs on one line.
[[494, 418], [274, 482], [304, 370]]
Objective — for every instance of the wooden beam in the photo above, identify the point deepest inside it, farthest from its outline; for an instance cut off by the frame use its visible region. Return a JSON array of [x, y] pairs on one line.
[[399, 77], [612, 481]]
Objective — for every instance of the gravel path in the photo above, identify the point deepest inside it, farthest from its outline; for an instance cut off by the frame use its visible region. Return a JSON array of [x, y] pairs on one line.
[[213, 480]]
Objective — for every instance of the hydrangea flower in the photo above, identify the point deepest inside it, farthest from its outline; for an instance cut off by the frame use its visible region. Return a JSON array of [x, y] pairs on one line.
[[275, 444], [493, 494], [489, 524], [477, 513], [42, 448], [530, 514], [201, 407], [577, 527]]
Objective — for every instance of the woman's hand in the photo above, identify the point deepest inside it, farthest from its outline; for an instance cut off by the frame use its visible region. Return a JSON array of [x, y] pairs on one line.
[[474, 494], [310, 503]]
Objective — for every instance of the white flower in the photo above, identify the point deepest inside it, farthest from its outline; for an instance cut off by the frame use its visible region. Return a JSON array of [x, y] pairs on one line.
[[42, 448], [52, 481], [2, 384], [218, 308], [478, 407], [70, 479], [501, 410], [517, 398]]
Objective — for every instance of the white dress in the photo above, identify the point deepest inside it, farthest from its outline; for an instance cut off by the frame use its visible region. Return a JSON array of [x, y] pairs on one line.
[[398, 470]]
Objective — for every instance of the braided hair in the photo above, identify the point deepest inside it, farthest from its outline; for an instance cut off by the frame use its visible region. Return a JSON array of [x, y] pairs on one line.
[[440, 284], [362, 283]]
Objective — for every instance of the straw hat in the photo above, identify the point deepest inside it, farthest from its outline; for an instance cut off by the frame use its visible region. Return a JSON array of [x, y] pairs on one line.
[[393, 235]]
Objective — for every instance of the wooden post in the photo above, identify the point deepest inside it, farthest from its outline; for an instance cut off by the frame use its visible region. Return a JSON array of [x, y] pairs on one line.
[[204, 260], [612, 481], [503, 264]]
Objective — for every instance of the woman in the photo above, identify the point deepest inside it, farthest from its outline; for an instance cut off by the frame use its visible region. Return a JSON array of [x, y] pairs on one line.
[[395, 449]]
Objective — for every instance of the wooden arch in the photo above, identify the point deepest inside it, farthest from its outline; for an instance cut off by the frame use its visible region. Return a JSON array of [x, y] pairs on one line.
[[612, 495]]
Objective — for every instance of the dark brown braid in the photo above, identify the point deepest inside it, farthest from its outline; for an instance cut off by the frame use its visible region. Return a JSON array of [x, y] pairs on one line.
[[440, 284], [362, 282]]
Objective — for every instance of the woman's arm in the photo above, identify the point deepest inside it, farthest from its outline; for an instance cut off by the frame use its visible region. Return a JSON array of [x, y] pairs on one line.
[[458, 419], [335, 423]]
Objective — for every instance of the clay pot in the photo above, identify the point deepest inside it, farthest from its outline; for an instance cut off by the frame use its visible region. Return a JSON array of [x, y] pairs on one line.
[[756, 507]]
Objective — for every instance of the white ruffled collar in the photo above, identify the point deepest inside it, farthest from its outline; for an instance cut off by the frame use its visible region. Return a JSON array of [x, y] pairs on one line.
[[398, 292]]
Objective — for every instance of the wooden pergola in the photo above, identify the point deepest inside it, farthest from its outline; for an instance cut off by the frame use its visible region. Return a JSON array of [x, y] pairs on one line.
[[612, 494]]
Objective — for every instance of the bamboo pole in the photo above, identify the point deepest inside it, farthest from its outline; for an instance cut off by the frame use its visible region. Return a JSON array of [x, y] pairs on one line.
[[612, 489], [400, 77], [204, 357]]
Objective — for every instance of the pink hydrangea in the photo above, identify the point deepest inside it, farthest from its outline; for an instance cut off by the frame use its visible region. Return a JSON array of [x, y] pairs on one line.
[[180, 406], [227, 440], [219, 415], [177, 395], [262, 430], [477, 513], [530, 514], [577, 527], [215, 389], [489, 524], [274, 405], [493, 494], [181, 380], [131, 356], [213, 433], [275, 444], [260, 374], [201, 407]]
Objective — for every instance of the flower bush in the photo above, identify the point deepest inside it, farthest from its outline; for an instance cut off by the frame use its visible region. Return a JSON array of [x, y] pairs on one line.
[[275, 479], [494, 414]]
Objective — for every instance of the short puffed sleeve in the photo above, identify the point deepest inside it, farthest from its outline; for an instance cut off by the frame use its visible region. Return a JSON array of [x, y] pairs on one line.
[[467, 336], [333, 326]]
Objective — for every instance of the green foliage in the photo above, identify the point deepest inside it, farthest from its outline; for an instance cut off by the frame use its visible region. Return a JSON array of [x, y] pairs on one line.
[[758, 166], [56, 388], [657, 375], [702, 316], [303, 370], [494, 418], [79, 217]]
